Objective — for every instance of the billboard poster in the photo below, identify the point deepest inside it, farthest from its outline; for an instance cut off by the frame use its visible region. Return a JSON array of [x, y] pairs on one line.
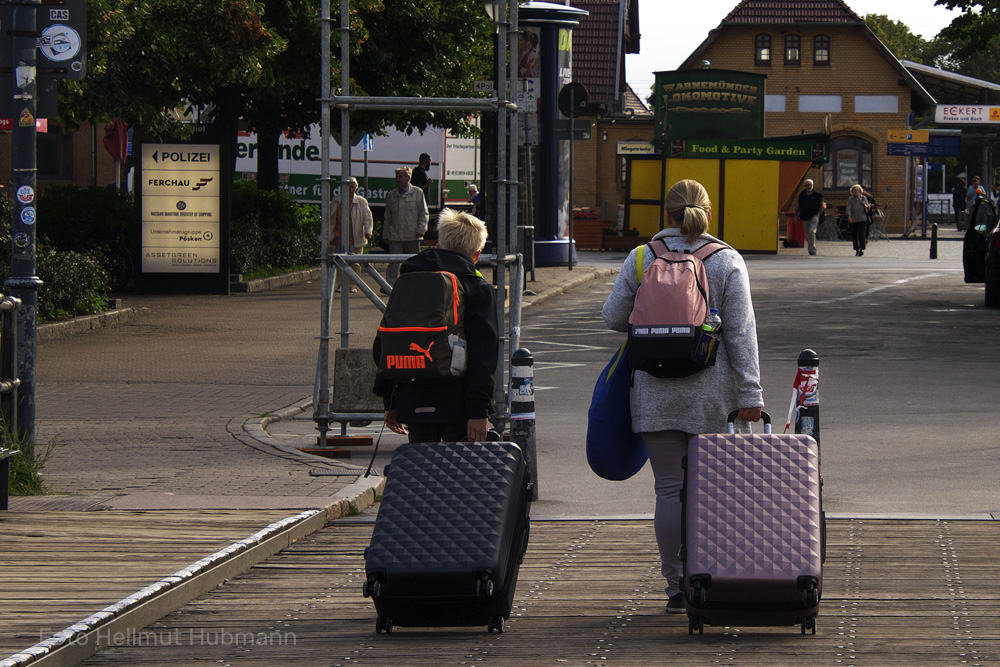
[[708, 104], [299, 164]]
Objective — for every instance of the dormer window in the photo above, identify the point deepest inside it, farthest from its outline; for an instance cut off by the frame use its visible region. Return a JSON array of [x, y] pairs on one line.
[[793, 50], [762, 49], [821, 50]]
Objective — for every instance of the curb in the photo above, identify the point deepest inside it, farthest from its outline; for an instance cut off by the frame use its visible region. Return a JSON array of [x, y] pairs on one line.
[[583, 278], [271, 282], [53, 330]]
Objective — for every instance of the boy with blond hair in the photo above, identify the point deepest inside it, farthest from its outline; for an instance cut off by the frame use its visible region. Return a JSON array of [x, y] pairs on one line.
[[455, 410]]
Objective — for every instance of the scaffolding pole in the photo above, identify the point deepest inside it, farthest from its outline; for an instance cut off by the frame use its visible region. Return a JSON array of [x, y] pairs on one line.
[[504, 259]]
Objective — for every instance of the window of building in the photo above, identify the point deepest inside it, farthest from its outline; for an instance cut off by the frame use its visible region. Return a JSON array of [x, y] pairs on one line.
[[820, 104], [792, 50], [762, 49], [54, 151], [775, 103], [821, 50], [850, 163], [876, 104]]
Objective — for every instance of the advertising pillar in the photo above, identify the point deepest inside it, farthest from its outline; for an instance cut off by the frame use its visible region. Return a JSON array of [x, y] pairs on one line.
[[545, 46]]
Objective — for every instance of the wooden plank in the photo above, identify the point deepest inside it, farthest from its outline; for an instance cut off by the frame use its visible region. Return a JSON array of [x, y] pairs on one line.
[[896, 593], [81, 562]]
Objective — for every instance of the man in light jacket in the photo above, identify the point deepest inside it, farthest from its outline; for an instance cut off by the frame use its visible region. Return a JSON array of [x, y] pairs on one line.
[[405, 220], [360, 229]]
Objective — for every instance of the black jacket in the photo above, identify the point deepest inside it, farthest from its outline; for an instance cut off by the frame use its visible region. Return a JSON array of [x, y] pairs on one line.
[[467, 397], [810, 204]]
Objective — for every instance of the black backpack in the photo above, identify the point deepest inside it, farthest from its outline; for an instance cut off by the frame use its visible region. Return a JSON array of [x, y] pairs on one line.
[[422, 332]]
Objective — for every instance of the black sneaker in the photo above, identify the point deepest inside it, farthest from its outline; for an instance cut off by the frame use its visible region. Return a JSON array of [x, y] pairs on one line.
[[675, 604]]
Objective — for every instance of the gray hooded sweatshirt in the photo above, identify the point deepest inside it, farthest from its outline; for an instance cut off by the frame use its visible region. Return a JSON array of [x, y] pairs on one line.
[[698, 403]]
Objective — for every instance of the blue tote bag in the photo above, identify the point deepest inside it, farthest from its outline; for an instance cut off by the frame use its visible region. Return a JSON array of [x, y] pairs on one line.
[[613, 451]]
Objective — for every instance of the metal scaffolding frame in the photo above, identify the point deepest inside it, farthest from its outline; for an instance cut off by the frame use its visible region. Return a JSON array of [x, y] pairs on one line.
[[504, 207]]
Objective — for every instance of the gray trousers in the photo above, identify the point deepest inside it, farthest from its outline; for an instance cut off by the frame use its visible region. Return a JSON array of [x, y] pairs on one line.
[[400, 248]]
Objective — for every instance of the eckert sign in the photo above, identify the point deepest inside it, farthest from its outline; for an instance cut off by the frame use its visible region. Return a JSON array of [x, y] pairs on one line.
[[966, 113]]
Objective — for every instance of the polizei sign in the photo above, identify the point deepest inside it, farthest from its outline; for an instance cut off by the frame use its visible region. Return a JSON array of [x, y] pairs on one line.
[[182, 189]]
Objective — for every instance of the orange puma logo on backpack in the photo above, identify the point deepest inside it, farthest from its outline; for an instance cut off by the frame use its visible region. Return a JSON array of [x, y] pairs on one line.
[[427, 353]]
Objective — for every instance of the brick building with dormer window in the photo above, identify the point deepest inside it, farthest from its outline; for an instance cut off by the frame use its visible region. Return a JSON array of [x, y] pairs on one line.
[[826, 72]]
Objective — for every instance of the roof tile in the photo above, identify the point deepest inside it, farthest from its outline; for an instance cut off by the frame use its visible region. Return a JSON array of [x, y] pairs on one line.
[[792, 11]]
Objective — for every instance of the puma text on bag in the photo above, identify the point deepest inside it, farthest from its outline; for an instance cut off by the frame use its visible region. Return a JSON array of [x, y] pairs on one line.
[[666, 338], [422, 331]]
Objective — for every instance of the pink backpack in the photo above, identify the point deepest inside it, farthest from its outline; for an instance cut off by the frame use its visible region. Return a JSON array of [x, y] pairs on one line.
[[666, 336]]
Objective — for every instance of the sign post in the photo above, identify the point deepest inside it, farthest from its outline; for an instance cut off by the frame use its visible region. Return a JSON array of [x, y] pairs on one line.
[[23, 283], [182, 194]]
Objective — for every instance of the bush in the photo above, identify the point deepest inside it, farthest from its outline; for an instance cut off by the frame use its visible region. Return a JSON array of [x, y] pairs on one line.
[[75, 218], [72, 284], [270, 232]]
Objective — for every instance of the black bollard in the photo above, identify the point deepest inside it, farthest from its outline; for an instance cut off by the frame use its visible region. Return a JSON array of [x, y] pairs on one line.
[[807, 388], [522, 411], [934, 241]]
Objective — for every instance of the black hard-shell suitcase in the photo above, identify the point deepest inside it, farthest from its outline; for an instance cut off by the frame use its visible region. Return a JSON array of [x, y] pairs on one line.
[[754, 529], [451, 532]]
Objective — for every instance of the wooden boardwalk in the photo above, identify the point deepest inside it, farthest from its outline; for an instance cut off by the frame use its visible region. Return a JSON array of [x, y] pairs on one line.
[[58, 567], [899, 593]]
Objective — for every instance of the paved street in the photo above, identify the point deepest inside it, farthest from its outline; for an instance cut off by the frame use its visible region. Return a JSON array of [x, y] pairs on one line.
[[165, 412]]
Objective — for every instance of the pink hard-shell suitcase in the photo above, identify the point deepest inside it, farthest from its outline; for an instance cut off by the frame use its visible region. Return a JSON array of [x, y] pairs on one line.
[[754, 533]]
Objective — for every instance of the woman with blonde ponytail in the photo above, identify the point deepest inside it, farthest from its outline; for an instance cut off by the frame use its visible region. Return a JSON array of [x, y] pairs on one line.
[[670, 411]]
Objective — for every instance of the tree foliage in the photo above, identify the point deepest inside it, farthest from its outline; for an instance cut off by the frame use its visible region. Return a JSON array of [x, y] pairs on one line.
[[147, 58], [259, 60], [974, 30], [897, 36]]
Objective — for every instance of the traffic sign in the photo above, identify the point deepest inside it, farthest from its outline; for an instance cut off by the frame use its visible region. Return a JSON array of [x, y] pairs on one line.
[[483, 86], [368, 143], [909, 136], [573, 99], [61, 41], [936, 147], [581, 129]]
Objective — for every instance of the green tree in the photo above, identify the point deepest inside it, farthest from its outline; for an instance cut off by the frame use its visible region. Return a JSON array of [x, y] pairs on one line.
[[973, 31], [259, 60], [897, 36], [147, 58]]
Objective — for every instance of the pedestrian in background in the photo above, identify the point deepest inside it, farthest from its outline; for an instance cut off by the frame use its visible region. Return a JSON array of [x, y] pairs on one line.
[[811, 207], [857, 218], [958, 203], [359, 231], [405, 220], [476, 199], [419, 177], [669, 412]]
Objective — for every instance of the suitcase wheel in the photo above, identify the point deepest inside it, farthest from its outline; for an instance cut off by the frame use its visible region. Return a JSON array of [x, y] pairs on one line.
[[495, 624], [484, 586], [697, 594], [383, 624], [696, 623], [371, 588], [810, 591], [808, 624]]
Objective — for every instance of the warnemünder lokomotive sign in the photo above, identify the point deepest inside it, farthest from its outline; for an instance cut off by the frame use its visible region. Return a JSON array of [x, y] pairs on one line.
[[180, 208]]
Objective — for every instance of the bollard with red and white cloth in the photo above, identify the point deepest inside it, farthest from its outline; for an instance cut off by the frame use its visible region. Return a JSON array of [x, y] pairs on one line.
[[804, 408]]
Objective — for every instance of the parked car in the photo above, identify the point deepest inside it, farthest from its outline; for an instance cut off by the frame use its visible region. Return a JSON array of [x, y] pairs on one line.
[[981, 249], [993, 269]]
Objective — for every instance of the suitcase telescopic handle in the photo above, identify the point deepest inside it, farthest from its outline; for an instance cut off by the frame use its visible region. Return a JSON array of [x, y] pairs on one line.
[[731, 420]]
